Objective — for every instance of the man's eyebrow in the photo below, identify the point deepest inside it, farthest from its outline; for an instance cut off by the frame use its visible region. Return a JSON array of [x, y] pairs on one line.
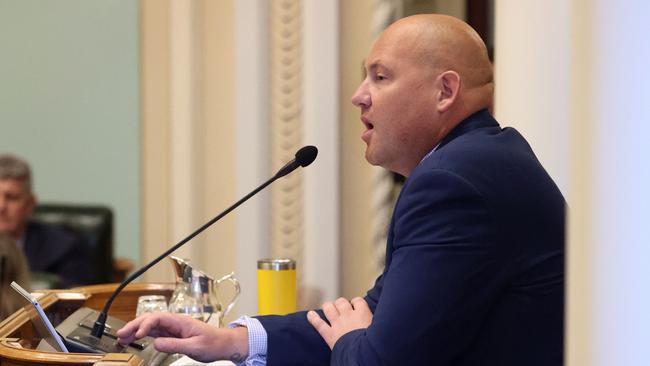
[[374, 65]]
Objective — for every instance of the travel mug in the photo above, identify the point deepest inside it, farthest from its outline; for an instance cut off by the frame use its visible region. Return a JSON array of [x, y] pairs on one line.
[[276, 286]]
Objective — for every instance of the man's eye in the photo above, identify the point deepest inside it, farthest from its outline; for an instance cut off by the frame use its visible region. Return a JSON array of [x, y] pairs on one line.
[[380, 77]]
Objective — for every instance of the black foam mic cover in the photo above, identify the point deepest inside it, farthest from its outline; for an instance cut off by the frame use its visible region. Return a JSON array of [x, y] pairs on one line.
[[306, 155]]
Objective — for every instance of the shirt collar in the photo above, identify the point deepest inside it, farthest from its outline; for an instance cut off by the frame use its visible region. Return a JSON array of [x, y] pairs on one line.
[[429, 153]]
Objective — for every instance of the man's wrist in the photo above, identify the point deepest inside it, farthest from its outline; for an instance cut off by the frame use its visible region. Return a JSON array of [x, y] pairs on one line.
[[239, 340], [257, 340]]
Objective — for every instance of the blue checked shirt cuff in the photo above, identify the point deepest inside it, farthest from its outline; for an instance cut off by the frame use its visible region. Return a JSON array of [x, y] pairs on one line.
[[257, 340]]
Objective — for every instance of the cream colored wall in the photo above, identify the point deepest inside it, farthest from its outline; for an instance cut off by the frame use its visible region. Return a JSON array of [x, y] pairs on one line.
[[251, 135], [218, 84], [187, 131], [580, 305], [154, 20], [214, 139], [357, 270], [574, 77], [532, 83], [316, 99], [609, 236]]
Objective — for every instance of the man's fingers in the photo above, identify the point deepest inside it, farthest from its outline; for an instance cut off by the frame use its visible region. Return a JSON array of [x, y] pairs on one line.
[[360, 304], [344, 316], [321, 327], [126, 339], [152, 324], [331, 313], [128, 333], [146, 326], [319, 324], [343, 305]]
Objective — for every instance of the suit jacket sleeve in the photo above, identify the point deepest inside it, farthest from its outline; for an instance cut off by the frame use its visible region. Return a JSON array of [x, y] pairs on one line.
[[292, 341], [443, 271]]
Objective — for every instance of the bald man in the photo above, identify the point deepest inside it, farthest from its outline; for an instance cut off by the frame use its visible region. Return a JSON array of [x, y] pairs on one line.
[[475, 252]]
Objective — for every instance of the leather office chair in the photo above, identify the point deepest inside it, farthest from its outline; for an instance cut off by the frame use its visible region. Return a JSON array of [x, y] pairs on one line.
[[95, 224]]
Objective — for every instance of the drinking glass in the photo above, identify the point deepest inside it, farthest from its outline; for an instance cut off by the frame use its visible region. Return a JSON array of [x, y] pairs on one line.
[[186, 302], [150, 303]]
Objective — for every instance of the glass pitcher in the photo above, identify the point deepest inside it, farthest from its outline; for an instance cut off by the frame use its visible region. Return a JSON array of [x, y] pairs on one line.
[[187, 298], [195, 289]]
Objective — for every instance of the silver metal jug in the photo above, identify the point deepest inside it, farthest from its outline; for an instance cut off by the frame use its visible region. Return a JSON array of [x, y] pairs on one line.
[[196, 293]]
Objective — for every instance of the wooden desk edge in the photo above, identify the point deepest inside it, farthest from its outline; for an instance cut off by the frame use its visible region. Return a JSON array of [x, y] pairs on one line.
[[25, 356]]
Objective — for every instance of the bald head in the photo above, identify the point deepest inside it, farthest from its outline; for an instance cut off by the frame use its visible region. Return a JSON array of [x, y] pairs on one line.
[[425, 75], [442, 43]]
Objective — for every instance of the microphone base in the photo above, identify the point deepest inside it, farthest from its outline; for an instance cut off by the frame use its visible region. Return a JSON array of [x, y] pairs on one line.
[[77, 331], [99, 327], [84, 342]]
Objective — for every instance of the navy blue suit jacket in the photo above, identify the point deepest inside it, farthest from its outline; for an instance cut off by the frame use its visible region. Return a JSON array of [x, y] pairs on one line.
[[474, 269], [53, 250]]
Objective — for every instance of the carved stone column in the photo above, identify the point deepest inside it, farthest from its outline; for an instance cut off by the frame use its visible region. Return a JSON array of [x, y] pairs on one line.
[[286, 106]]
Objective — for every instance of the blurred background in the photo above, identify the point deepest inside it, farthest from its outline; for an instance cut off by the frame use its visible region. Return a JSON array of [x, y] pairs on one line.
[[167, 111]]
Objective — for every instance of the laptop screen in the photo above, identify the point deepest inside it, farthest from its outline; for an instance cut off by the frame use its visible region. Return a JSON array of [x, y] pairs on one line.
[[41, 323]]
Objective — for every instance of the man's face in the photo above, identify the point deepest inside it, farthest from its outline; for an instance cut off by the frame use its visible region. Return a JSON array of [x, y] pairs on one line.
[[16, 206], [397, 102]]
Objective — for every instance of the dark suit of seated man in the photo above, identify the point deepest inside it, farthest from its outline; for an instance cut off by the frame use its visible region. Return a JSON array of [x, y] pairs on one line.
[[474, 270], [49, 250], [53, 250]]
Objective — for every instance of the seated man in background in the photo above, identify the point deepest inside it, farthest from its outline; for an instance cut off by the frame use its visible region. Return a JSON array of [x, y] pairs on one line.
[[49, 250]]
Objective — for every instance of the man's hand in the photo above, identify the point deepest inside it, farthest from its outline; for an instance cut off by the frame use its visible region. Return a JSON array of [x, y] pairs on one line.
[[344, 316], [181, 334]]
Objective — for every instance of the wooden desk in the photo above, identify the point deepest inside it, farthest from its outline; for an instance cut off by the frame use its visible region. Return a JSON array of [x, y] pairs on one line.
[[18, 338]]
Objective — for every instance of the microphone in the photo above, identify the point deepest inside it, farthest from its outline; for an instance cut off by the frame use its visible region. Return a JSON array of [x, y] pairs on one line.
[[305, 156]]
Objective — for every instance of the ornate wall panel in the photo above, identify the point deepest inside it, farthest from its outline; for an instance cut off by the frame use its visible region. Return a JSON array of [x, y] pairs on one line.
[[286, 105], [187, 127]]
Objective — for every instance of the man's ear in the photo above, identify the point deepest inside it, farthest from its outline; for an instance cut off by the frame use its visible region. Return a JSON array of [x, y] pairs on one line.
[[449, 86]]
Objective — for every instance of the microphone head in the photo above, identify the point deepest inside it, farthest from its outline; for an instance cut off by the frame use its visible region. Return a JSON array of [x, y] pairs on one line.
[[306, 155]]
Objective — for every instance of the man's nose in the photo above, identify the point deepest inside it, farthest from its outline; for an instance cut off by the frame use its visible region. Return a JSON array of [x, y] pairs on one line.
[[361, 97]]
